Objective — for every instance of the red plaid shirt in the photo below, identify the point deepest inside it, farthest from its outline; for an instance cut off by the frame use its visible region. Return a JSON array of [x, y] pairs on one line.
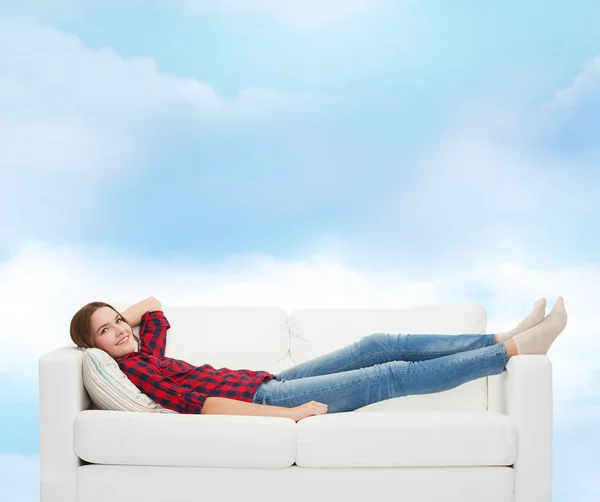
[[178, 385]]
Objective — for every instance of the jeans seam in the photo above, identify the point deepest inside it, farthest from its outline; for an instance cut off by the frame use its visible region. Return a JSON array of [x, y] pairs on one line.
[[362, 361], [461, 361], [374, 356]]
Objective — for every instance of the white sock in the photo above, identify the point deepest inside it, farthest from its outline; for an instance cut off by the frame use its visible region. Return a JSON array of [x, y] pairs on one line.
[[537, 340], [534, 317]]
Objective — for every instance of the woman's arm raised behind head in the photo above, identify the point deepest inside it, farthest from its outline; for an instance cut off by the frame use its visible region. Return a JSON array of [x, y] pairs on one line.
[[133, 315]]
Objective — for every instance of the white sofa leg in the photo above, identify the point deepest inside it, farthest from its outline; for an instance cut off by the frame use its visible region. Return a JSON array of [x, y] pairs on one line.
[[62, 397]]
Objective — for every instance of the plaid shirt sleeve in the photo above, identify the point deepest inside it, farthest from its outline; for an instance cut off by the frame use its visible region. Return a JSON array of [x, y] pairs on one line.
[[164, 390], [153, 333]]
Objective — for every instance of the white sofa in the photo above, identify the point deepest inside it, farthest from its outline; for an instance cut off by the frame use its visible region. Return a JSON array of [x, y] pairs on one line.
[[487, 440]]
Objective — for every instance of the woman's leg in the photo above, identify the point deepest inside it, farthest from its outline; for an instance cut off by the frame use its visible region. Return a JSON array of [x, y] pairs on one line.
[[353, 389], [382, 348]]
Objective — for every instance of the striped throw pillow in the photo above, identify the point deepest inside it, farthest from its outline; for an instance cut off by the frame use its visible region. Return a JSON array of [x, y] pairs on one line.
[[110, 389]]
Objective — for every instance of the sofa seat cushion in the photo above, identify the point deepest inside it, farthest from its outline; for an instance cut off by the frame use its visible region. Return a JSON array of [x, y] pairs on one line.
[[129, 438], [407, 439]]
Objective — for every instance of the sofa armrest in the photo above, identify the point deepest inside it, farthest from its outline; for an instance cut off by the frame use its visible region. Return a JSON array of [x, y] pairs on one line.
[[62, 397], [524, 393]]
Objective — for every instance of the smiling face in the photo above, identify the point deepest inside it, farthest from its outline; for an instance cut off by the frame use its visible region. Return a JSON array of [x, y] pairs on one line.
[[111, 333]]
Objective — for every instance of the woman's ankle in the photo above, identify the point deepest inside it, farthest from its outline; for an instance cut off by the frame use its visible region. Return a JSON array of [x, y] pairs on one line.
[[511, 347]]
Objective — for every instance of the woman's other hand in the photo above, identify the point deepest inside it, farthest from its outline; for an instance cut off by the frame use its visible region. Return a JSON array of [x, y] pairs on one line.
[[308, 409]]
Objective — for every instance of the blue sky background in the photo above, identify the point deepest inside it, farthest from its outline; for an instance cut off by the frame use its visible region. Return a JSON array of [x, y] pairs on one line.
[[337, 154]]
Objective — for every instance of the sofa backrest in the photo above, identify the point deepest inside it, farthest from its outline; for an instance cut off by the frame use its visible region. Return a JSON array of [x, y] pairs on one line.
[[314, 332], [267, 338], [253, 338]]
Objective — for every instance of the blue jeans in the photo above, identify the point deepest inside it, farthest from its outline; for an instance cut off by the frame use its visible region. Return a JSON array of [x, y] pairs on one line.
[[383, 366]]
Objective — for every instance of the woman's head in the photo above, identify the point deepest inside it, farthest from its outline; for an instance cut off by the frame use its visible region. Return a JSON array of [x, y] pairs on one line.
[[99, 325]]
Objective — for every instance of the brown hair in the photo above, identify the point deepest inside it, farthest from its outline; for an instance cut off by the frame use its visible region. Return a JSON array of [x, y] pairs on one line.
[[81, 331]]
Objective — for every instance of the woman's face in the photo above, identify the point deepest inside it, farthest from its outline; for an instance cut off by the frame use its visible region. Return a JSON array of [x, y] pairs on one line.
[[111, 333]]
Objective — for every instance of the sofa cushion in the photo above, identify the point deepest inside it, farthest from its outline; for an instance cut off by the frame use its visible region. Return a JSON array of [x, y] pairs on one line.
[[314, 332], [110, 389], [112, 437], [407, 439]]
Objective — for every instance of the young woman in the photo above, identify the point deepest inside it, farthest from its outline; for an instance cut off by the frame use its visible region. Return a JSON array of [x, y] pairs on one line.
[[377, 367]]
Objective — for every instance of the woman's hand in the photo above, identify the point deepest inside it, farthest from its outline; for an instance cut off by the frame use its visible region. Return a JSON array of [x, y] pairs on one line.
[[133, 315], [307, 410]]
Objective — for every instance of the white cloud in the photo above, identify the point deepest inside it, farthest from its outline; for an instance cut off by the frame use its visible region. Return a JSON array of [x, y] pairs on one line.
[[68, 107], [572, 116], [72, 118], [485, 182], [70, 114], [585, 86], [42, 287], [477, 183], [308, 13], [58, 146], [46, 67], [69, 110], [19, 477], [470, 170], [52, 64]]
